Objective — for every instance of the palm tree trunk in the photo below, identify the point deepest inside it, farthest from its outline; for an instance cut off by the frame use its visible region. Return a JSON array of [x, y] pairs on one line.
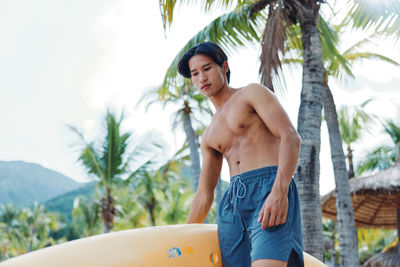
[[108, 211], [345, 215], [309, 128], [350, 159], [151, 206], [194, 151]]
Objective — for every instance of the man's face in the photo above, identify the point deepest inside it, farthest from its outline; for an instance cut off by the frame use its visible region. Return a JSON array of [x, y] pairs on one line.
[[207, 76]]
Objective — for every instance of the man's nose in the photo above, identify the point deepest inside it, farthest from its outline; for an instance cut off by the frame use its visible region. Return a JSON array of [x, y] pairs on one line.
[[203, 77]]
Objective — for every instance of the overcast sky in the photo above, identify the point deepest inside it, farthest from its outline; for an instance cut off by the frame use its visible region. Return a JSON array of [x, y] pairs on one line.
[[65, 62]]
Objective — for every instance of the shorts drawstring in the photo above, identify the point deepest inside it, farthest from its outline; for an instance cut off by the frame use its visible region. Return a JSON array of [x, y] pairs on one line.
[[235, 190]]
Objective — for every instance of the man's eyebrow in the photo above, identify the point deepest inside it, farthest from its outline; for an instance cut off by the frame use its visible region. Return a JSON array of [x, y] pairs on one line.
[[205, 65]]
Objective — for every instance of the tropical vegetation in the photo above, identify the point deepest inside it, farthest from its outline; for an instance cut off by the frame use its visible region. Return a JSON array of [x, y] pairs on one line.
[[132, 187]]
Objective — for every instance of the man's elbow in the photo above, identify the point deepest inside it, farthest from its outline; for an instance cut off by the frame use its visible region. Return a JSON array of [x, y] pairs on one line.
[[294, 139]]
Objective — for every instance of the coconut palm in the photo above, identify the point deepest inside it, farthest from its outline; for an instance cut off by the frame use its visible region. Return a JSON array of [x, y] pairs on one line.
[[337, 65], [35, 225], [176, 203], [85, 217], [130, 211], [352, 121], [383, 157], [147, 186], [189, 100], [109, 162], [9, 230]]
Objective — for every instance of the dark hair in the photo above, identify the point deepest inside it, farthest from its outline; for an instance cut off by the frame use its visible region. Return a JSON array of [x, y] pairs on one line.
[[210, 49]]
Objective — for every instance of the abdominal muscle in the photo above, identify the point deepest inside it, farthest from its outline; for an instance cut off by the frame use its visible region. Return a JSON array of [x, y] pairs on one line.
[[247, 155]]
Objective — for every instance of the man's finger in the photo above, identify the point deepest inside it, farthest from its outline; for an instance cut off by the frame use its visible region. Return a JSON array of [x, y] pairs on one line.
[[284, 217], [260, 216], [272, 219], [265, 219]]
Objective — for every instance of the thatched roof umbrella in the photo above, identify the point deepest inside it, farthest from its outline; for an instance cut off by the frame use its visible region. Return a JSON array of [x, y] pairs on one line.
[[375, 199], [385, 258]]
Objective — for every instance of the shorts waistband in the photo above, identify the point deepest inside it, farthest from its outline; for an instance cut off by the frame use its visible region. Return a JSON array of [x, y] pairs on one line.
[[256, 173]]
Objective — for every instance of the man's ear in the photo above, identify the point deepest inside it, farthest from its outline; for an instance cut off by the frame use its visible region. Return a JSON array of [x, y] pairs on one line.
[[225, 67]]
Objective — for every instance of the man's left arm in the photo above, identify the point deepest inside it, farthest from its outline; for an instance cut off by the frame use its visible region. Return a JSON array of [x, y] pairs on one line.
[[268, 108]]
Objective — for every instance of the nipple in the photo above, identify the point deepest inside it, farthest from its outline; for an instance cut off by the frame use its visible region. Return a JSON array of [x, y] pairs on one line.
[[241, 125]]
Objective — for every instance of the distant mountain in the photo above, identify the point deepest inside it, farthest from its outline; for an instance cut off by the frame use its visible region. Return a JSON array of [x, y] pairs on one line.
[[64, 203], [24, 183]]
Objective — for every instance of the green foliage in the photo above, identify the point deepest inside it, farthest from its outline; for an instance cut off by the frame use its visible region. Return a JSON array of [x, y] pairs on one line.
[[352, 120], [86, 217], [382, 157], [376, 15], [232, 29], [109, 161], [372, 241], [393, 130], [25, 230], [331, 237]]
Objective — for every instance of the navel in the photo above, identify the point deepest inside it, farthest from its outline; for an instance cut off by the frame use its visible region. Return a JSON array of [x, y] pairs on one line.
[[219, 147], [238, 162]]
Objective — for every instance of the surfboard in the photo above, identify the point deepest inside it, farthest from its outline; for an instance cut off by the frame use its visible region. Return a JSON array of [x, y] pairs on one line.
[[189, 245]]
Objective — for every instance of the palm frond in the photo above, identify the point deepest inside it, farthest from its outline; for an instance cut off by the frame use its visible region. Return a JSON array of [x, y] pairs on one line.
[[114, 146], [230, 30], [92, 161], [369, 55], [273, 44], [167, 7], [393, 130], [377, 15], [381, 158]]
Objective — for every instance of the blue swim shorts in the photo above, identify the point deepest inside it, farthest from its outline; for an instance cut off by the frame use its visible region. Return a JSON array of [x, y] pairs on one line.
[[241, 238]]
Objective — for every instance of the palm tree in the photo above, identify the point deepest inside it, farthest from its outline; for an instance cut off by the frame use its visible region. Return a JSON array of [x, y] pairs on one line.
[[35, 226], [9, 230], [337, 65], [176, 202], [189, 100], [85, 217], [242, 24], [352, 120], [383, 157], [130, 211], [109, 163]]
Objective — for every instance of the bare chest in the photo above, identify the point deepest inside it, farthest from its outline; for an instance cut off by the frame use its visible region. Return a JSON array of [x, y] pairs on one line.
[[230, 125]]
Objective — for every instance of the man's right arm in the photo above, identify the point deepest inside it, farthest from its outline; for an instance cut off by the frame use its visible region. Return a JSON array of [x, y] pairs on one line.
[[211, 168]]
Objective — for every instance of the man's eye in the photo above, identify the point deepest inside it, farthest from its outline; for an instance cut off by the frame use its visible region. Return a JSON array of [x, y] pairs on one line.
[[207, 69], [194, 74]]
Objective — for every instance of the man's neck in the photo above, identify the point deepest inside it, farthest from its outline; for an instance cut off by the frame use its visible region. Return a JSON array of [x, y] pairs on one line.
[[224, 94]]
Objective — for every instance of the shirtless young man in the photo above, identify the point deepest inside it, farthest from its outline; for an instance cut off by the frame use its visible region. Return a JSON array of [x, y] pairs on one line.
[[259, 216]]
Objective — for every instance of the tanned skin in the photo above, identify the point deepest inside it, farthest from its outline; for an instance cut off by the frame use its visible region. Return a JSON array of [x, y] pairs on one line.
[[251, 130]]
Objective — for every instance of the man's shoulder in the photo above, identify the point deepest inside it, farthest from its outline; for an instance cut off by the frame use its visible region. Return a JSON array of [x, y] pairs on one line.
[[254, 90], [205, 137]]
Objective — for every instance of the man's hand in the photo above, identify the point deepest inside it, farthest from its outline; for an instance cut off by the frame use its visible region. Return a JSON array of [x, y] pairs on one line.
[[274, 210]]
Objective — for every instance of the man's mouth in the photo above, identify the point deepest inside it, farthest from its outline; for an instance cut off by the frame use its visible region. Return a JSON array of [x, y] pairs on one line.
[[205, 87]]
